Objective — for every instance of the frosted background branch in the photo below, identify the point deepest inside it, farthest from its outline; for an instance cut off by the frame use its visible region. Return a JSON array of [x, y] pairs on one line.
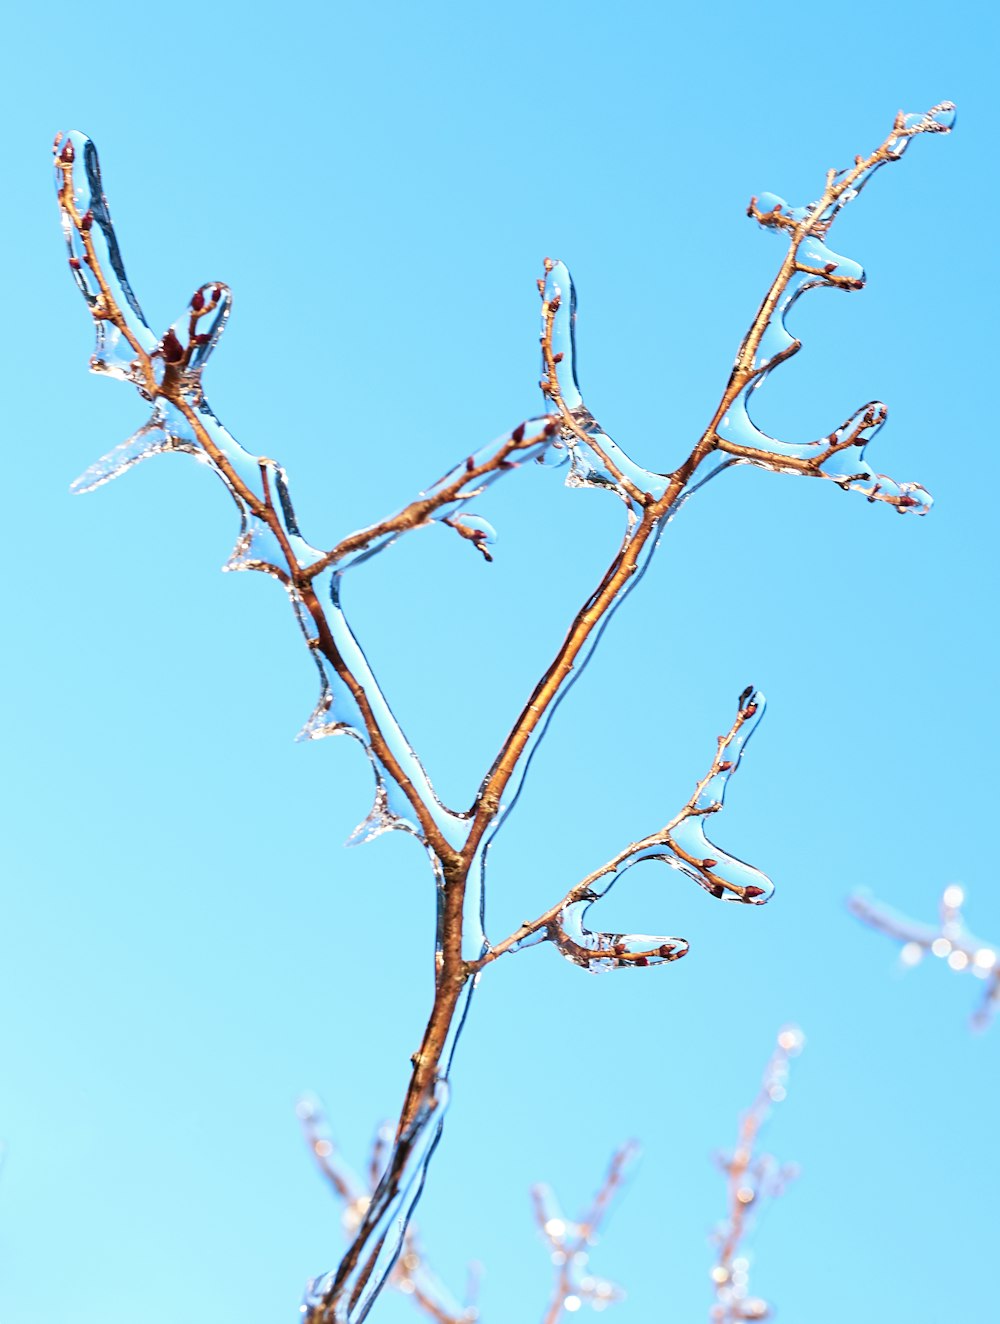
[[570, 1241], [753, 1178], [948, 940]]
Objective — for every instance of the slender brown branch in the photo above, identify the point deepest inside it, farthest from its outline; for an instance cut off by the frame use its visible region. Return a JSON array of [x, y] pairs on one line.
[[174, 389], [624, 565]]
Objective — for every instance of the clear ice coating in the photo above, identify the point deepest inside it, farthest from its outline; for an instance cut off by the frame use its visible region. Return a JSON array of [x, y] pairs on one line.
[[595, 460], [126, 348], [682, 845]]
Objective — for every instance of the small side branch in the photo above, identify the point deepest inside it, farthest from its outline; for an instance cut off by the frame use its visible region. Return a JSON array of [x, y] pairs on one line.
[[948, 940], [465, 482], [682, 844]]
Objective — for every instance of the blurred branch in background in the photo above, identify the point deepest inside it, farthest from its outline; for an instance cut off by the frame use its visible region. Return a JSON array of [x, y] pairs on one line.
[[949, 940], [411, 1274], [753, 1178], [570, 1242]]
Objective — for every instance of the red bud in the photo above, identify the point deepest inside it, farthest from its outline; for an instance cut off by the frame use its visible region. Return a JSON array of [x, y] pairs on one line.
[[67, 155], [217, 293], [709, 863], [725, 767], [518, 433], [830, 268], [197, 301], [554, 303], [557, 358], [541, 285], [86, 220], [664, 949], [75, 263], [550, 428], [753, 891], [641, 960], [173, 350]]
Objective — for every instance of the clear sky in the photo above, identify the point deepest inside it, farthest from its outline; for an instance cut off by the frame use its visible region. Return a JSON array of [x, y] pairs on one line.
[[186, 945]]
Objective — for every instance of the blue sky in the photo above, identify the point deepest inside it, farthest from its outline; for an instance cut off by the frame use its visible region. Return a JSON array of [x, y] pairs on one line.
[[187, 946]]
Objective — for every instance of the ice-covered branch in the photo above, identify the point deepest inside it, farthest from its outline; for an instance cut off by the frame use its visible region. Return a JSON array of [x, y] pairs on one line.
[[411, 1275], [752, 1178], [811, 264], [167, 371], [949, 940], [652, 497], [682, 845], [570, 1242]]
